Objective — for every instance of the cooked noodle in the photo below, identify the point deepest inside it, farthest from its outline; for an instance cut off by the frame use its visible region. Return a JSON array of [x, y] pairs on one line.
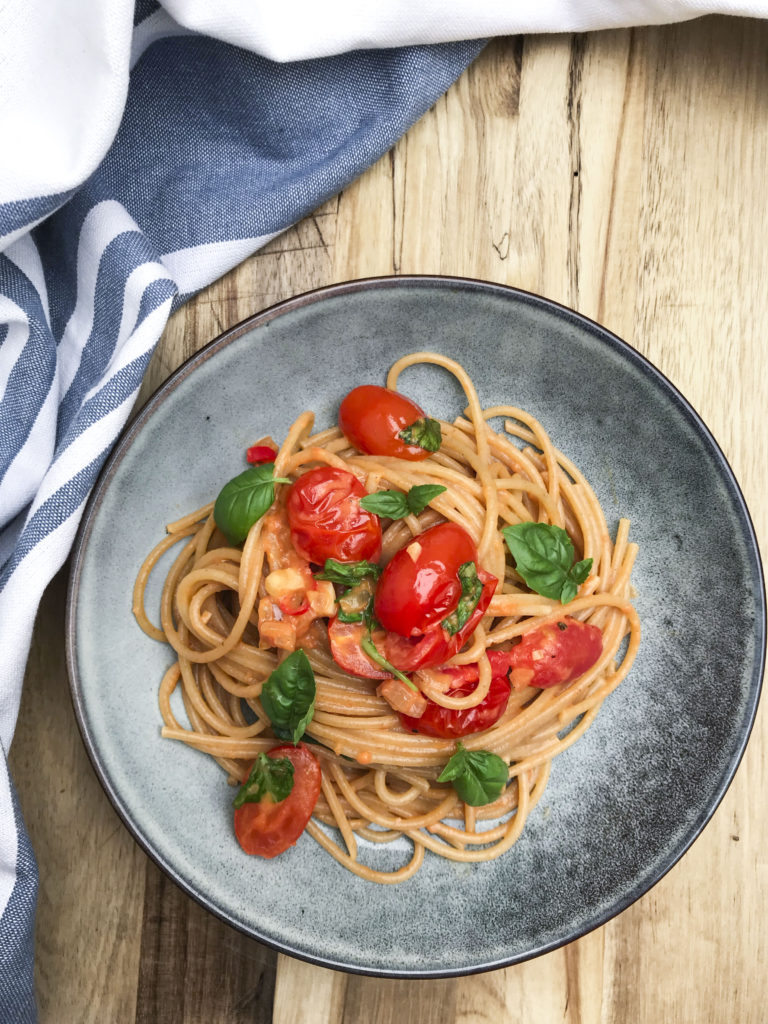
[[379, 780]]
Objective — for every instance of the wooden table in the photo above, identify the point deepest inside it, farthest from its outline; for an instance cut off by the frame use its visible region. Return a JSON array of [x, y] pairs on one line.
[[624, 174]]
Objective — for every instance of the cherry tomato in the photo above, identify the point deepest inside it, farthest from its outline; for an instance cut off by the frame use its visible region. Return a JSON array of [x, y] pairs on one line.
[[344, 638], [557, 653], [267, 828], [454, 722], [436, 645], [327, 521], [408, 654], [420, 585], [259, 453], [372, 417]]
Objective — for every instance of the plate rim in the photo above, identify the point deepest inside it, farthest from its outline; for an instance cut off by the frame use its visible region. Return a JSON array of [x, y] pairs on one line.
[[136, 423]]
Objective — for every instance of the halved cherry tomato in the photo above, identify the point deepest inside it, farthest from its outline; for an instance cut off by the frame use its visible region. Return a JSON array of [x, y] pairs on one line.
[[556, 653], [372, 417], [454, 722], [344, 638], [327, 521], [409, 653], [267, 828], [420, 585]]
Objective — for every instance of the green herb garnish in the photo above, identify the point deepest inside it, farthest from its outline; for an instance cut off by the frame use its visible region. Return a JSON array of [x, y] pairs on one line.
[[478, 776], [397, 505], [544, 558], [471, 591], [288, 697], [424, 433], [268, 777], [245, 499]]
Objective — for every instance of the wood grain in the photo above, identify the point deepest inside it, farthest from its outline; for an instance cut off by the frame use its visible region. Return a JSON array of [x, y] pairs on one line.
[[622, 173]]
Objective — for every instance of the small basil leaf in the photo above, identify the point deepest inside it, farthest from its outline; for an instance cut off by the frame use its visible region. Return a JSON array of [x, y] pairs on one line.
[[424, 433], [420, 496], [396, 505], [581, 570], [268, 777], [348, 573], [544, 557], [388, 504], [478, 776], [245, 499], [471, 589], [288, 696]]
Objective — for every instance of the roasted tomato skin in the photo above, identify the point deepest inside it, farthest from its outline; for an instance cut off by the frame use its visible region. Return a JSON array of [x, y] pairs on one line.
[[420, 584], [371, 417], [267, 829], [452, 723], [344, 638], [326, 519], [436, 646], [556, 653]]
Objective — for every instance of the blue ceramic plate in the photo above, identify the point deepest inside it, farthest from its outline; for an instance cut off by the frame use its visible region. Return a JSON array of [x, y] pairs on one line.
[[623, 804]]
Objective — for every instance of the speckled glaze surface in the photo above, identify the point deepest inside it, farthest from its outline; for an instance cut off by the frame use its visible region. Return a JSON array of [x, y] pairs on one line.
[[623, 804]]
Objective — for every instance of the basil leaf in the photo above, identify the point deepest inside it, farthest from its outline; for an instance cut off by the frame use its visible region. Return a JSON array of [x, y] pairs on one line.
[[288, 696], [471, 589], [245, 499], [396, 505], [268, 777], [544, 559], [424, 433], [420, 496], [478, 776], [348, 573], [389, 504]]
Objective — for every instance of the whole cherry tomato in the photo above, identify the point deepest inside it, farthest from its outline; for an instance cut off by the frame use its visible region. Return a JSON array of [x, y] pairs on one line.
[[327, 521], [372, 418], [267, 828], [556, 653], [420, 585], [455, 722]]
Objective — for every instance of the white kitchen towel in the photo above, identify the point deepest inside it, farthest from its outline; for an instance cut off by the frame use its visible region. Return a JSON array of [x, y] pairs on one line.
[[146, 150]]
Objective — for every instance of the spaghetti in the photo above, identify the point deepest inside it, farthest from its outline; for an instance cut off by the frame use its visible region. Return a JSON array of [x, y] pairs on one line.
[[379, 779]]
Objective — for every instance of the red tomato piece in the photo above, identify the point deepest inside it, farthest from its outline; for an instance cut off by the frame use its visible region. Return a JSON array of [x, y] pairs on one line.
[[436, 645], [420, 585], [372, 417], [327, 521], [259, 453], [344, 638], [455, 722], [556, 653], [408, 654], [294, 603], [267, 828]]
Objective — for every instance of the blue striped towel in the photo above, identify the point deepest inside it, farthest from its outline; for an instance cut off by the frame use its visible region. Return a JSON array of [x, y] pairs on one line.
[[218, 150]]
